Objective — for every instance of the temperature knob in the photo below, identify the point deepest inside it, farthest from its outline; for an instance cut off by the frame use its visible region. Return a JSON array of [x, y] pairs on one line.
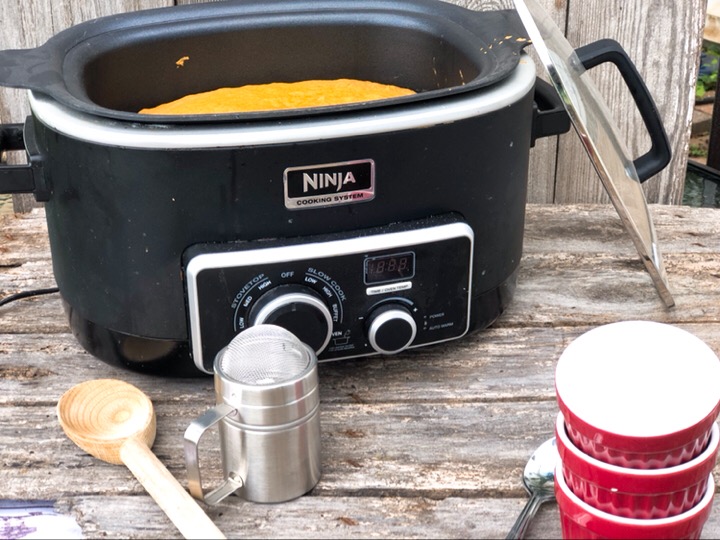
[[391, 329], [297, 309]]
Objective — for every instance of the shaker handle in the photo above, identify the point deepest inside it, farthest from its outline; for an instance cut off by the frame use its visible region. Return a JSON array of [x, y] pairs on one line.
[[193, 434], [608, 50]]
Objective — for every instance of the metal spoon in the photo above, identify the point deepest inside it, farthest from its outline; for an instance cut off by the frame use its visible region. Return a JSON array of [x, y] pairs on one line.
[[539, 481]]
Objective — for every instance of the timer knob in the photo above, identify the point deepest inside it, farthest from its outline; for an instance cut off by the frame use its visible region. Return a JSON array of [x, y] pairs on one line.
[[297, 309], [391, 329]]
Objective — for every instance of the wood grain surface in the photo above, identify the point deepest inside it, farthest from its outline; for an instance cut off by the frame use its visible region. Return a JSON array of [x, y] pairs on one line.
[[662, 37], [430, 443]]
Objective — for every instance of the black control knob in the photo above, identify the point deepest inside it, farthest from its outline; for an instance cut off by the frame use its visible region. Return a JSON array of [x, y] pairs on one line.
[[391, 329], [297, 309]]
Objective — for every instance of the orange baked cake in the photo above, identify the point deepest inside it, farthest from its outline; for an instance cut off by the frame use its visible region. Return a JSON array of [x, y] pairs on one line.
[[275, 96]]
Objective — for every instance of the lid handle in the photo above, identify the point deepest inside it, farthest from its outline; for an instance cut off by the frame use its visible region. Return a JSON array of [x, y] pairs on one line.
[[608, 50]]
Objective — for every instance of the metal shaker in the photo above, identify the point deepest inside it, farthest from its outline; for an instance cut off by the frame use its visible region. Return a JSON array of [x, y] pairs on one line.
[[266, 390]]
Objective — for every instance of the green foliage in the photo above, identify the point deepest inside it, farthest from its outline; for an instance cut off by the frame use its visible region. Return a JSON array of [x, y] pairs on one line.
[[697, 150], [708, 81]]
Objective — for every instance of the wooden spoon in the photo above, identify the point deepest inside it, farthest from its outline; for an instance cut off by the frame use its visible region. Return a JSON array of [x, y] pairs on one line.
[[115, 422]]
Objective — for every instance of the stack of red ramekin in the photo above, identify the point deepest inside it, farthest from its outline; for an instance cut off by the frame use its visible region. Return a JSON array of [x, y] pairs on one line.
[[636, 432]]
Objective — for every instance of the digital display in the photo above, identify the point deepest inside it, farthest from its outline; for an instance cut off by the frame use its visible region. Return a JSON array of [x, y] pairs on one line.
[[389, 267]]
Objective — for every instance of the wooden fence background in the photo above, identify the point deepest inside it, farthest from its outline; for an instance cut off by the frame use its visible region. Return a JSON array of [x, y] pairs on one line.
[[663, 37]]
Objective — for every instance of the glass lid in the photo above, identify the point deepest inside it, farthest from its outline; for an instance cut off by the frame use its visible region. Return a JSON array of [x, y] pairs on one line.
[[592, 120]]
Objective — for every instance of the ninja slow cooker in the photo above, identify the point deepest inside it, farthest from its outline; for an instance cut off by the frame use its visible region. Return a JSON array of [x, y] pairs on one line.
[[365, 229]]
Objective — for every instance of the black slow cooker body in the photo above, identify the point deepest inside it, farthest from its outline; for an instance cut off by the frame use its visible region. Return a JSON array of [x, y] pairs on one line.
[[130, 197], [120, 219], [138, 207]]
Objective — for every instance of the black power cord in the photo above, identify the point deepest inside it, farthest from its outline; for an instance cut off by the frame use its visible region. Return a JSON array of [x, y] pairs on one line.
[[27, 294]]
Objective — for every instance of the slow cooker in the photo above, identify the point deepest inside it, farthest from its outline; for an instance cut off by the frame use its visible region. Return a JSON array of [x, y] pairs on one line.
[[365, 229]]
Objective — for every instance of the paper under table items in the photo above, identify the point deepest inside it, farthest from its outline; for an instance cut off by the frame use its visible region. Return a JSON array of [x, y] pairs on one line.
[[35, 519]]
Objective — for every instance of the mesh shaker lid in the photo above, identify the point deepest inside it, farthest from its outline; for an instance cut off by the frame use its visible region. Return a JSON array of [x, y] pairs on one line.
[[263, 355], [269, 376]]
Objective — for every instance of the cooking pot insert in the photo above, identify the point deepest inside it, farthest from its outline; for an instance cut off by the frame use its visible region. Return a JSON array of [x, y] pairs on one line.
[[114, 66]]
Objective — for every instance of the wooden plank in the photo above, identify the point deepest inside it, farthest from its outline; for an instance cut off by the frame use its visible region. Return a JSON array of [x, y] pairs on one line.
[[391, 457], [373, 414], [380, 449], [25, 265], [483, 367], [501, 363], [348, 517], [601, 271], [596, 262], [596, 228], [321, 517]]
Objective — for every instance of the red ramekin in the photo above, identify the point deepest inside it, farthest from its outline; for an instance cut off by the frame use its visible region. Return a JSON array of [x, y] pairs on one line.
[[636, 493]]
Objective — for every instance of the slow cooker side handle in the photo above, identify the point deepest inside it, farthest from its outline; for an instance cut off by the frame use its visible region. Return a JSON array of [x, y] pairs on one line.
[[28, 178], [549, 114], [608, 50]]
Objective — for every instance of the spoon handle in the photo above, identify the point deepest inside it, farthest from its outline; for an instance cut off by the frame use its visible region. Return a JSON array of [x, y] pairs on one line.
[[172, 498], [523, 520]]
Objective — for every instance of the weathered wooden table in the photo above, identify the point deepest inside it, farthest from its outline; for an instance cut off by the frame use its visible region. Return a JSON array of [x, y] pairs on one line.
[[428, 443]]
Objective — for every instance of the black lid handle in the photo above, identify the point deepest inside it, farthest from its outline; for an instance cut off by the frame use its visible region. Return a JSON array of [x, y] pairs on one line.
[[608, 50]]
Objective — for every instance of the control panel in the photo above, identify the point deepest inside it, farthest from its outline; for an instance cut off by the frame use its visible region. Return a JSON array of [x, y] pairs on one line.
[[373, 291]]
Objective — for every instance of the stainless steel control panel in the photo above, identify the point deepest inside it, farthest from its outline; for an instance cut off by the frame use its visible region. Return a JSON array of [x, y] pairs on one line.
[[374, 291]]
